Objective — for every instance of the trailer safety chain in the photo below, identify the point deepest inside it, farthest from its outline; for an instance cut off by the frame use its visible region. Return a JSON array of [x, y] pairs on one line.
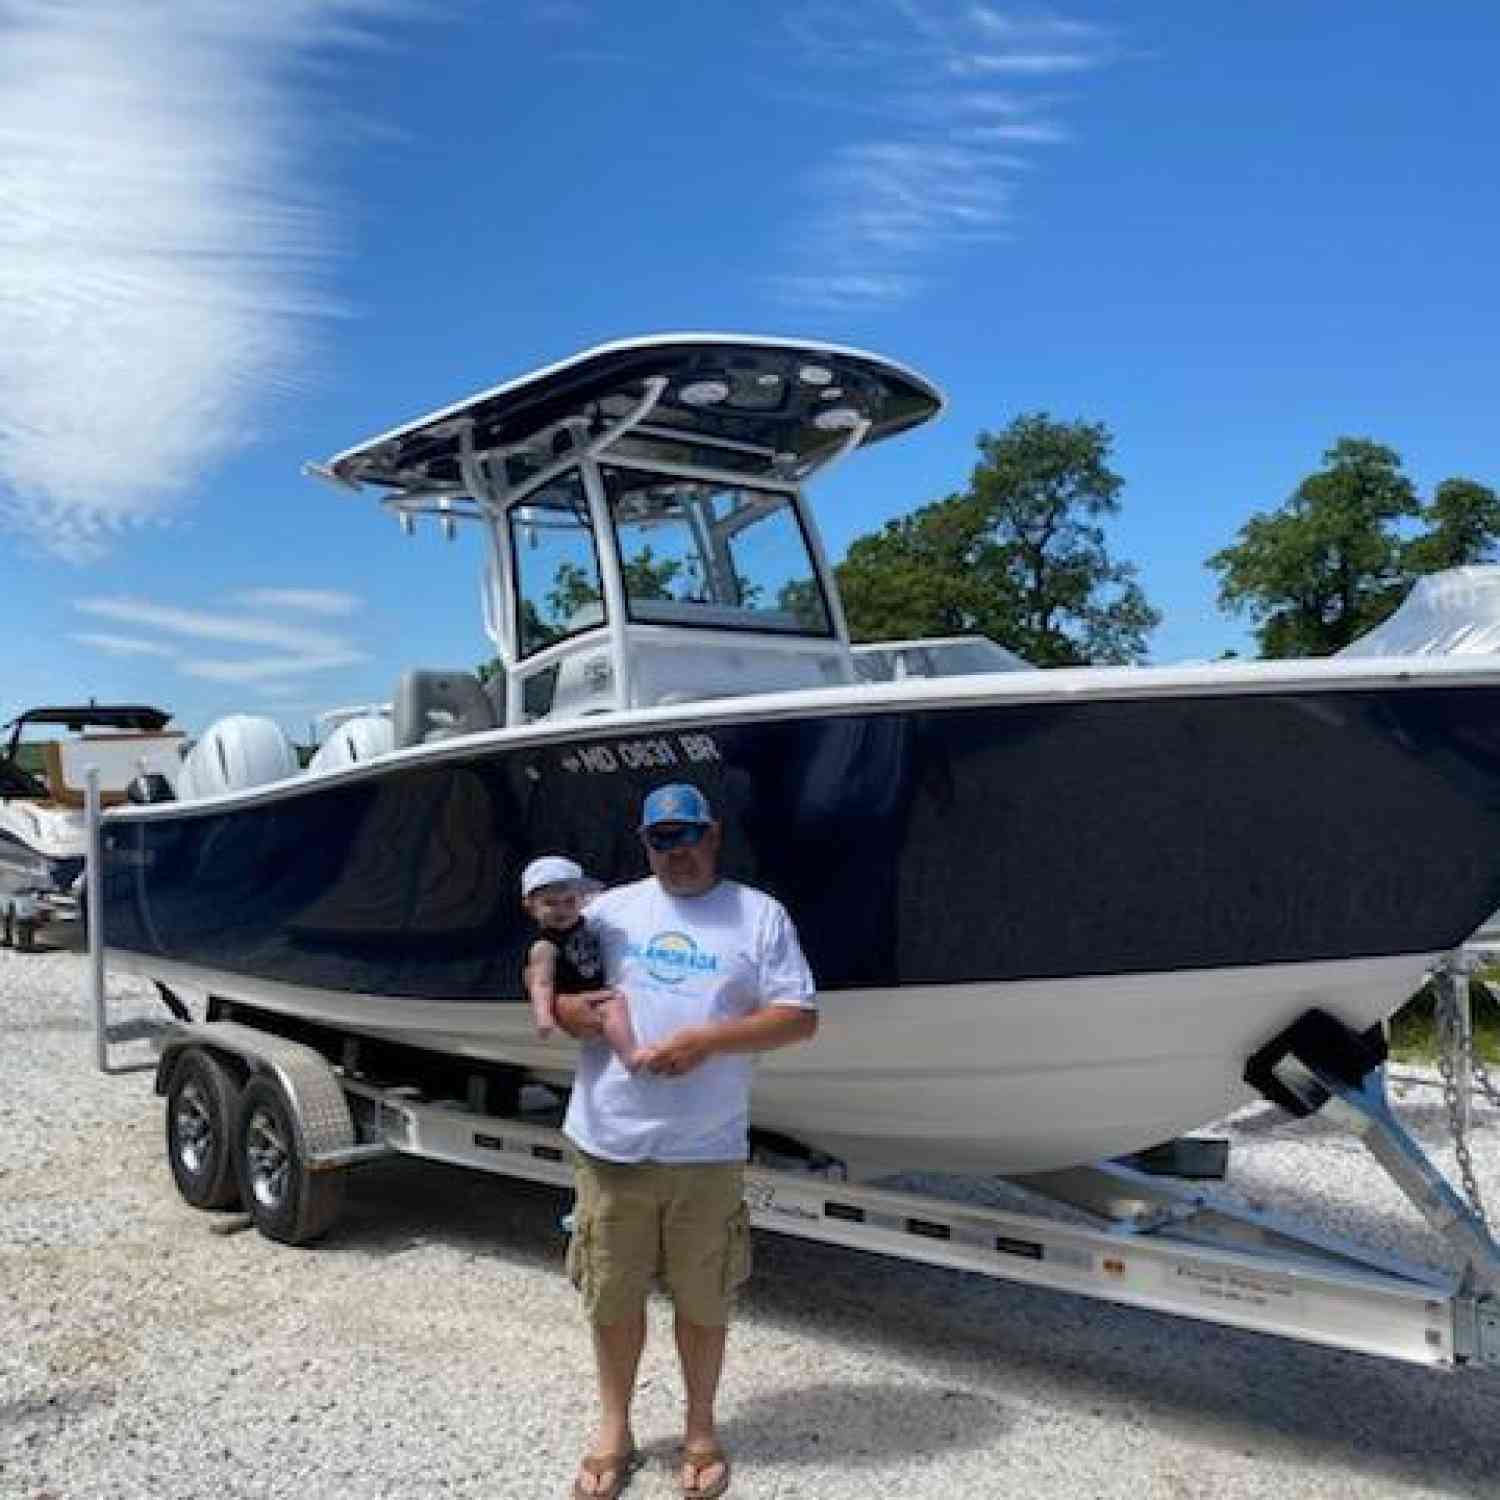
[[1455, 1047]]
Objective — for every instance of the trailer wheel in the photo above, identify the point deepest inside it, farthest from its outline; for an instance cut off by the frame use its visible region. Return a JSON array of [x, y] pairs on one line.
[[202, 1107], [5, 937], [24, 936], [287, 1201]]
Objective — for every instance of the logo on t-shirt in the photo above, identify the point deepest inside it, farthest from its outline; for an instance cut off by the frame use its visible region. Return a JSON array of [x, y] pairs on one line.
[[582, 950], [671, 956]]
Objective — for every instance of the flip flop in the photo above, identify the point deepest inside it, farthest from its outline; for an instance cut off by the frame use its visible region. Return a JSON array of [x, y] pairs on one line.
[[621, 1465], [704, 1458]]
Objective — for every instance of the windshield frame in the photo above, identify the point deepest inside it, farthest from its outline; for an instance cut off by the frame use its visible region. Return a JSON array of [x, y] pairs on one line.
[[718, 617], [518, 596]]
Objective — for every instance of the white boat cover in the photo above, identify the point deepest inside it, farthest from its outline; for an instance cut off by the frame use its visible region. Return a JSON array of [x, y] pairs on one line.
[[1456, 612]]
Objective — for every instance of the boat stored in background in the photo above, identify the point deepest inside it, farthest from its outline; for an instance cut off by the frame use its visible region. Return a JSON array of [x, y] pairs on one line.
[[42, 838]]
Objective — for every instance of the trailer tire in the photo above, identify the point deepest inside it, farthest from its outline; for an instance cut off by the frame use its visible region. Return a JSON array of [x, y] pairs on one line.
[[25, 936], [288, 1202], [202, 1109], [5, 938]]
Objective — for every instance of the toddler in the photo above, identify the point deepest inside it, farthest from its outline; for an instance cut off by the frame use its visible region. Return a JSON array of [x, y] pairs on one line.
[[564, 957]]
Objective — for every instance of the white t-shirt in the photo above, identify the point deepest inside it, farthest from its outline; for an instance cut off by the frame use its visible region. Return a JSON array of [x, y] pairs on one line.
[[682, 961]]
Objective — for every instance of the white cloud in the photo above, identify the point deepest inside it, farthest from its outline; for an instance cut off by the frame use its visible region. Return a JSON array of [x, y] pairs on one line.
[[290, 651], [121, 645], [160, 245], [277, 669], [203, 625], [849, 292], [980, 102], [1037, 133], [1033, 63], [904, 197], [1026, 29], [313, 601], [886, 211]]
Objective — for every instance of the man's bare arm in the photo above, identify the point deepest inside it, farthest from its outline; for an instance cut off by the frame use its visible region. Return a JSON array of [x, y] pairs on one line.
[[772, 1026]]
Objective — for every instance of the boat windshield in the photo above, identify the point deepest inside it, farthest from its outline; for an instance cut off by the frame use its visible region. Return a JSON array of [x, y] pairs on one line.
[[556, 564], [711, 553], [894, 661]]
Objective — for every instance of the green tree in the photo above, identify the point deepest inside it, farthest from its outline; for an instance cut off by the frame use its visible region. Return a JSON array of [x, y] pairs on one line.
[[1464, 523], [1331, 563], [1326, 566], [915, 577], [1019, 556]]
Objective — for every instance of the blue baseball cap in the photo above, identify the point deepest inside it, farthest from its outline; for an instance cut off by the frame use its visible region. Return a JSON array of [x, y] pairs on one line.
[[676, 803]]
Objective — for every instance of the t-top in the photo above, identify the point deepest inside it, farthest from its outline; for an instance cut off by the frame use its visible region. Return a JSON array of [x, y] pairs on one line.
[[683, 961], [580, 964]]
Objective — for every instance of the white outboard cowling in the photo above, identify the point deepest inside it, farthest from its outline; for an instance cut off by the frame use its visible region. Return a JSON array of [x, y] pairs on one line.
[[236, 753], [353, 742]]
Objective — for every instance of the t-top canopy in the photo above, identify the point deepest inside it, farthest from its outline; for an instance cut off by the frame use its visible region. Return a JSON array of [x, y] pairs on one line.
[[776, 404]]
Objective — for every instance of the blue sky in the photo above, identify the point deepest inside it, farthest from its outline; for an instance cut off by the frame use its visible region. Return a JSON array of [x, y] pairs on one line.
[[236, 237]]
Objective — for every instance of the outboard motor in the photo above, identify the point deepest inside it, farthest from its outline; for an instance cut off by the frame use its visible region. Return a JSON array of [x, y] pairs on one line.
[[354, 741], [235, 753]]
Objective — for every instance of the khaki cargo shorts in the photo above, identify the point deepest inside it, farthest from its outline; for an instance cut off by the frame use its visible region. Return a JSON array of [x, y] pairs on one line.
[[684, 1222]]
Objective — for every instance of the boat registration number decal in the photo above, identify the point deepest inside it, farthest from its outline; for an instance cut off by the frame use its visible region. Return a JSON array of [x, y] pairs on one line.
[[659, 752]]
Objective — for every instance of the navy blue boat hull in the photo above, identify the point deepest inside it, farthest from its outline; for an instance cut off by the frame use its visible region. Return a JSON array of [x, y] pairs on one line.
[[942, 846]]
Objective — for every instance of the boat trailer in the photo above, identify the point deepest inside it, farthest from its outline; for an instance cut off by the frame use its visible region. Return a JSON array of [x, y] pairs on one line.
[[271, 1124]]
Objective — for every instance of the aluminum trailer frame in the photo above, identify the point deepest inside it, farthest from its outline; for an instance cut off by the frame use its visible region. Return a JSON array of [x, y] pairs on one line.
[[1152, 1244]]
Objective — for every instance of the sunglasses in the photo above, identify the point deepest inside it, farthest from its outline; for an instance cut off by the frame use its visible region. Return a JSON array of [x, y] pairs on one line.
[[682, 836]]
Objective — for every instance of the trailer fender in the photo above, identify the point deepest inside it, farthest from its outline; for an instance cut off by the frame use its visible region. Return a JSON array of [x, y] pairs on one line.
[[312, 1089]]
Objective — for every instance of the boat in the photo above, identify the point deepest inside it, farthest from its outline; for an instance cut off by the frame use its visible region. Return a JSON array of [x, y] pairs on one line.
[[1052, 913], [42, 781]]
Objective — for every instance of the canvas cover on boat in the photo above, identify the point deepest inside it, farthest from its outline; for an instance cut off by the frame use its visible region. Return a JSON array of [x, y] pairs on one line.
[[1455, 612]]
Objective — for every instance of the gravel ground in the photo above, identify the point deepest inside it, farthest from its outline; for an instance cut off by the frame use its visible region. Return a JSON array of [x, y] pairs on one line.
[[431, 1346]]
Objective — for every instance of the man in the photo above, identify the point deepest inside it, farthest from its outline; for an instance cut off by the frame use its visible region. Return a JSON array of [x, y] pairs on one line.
[[713, 973]]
